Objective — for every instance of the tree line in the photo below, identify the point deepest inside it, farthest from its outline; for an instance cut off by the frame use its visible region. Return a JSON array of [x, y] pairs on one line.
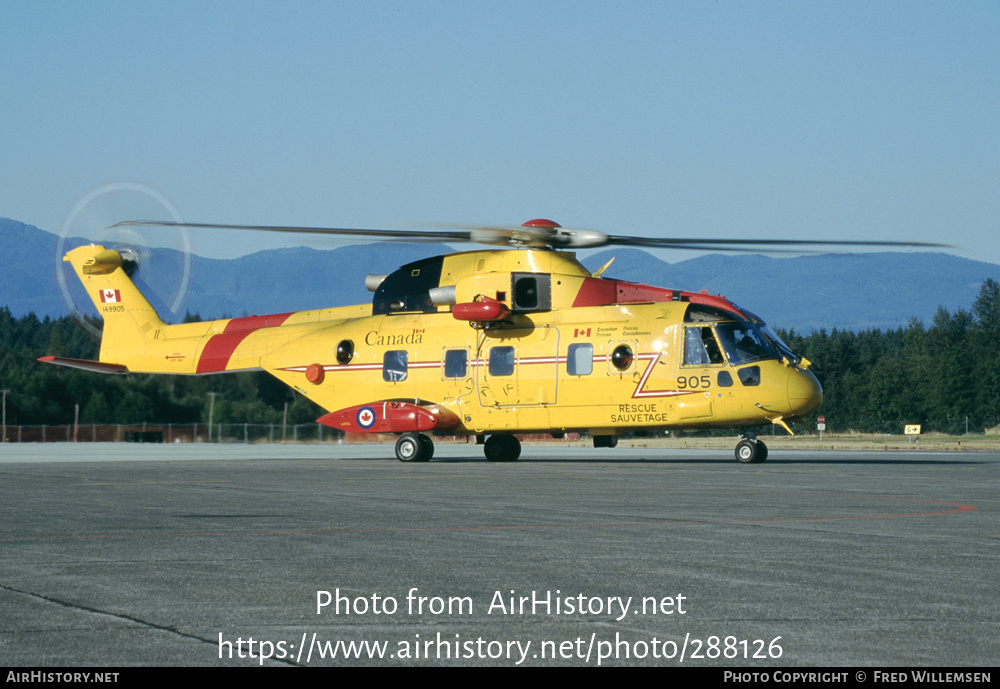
[[944, 376], [40, 393]]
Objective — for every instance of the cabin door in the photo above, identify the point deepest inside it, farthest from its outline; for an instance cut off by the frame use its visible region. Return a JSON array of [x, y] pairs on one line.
[[518, 367]]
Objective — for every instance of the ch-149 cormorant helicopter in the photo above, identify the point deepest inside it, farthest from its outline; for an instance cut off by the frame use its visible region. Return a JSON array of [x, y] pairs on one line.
[[491, 343]]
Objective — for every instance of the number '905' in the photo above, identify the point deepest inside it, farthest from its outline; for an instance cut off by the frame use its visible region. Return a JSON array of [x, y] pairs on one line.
[[693, 382]]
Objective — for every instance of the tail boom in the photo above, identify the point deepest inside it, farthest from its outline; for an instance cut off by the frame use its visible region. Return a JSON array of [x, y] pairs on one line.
[[137, 340]]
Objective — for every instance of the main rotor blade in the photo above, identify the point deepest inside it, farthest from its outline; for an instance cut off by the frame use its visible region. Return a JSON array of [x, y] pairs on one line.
[[703, 244], [502, 236], [419, 235], [558, 238]]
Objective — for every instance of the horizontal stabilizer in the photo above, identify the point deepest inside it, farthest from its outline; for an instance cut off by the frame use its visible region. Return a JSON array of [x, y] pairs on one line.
[[86, 365]]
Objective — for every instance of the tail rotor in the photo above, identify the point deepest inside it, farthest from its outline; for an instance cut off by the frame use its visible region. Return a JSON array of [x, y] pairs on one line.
[[158, 261]]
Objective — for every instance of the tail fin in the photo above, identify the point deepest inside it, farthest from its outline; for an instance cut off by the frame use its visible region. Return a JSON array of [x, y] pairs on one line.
[[130, 322], [136, 340]]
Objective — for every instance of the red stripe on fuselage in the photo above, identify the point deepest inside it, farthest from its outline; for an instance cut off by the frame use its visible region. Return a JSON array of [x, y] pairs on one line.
[[219, 349]]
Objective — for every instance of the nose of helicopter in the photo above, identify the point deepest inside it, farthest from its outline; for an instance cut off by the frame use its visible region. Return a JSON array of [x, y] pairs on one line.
[[804, 392]]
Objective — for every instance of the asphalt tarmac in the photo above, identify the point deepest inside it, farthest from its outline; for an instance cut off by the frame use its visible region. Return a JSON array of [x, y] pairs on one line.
[[236, 555]]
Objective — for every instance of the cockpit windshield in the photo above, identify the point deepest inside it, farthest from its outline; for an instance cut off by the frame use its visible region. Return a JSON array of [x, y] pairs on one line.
[[743, 342], [743, 338], [783, 349]]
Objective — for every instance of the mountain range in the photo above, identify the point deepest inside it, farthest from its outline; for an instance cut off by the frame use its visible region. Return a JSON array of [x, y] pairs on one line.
[[845, 291]]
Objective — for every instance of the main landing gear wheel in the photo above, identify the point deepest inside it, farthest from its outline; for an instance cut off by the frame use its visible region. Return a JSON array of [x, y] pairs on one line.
[[502, 448], [751, 452], [413, 447]]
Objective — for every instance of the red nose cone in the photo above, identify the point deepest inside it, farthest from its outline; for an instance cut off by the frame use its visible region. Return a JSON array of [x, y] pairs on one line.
[[541, 222]]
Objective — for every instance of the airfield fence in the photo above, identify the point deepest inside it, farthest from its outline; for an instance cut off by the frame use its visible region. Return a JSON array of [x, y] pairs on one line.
[[199, 433], [174, 433], [314, 432]]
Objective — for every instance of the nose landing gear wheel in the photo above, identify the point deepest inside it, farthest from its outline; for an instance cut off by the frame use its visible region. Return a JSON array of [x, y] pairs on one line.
[[413, 447], [751, 452], [502, 448]]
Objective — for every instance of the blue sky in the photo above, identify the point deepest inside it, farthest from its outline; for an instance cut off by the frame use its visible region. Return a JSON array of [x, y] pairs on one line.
[[799, 120]]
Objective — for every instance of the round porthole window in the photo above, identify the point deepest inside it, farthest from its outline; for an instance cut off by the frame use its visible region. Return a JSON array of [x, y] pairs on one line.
[[622, 357], [345, 351]]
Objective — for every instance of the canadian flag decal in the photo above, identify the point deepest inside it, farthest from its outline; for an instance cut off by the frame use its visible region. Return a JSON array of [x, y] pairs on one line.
[[110, 296]]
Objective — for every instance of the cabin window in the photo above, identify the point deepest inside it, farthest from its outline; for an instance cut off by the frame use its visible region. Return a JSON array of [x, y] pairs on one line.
[[345, 352], [750, 375], [725, 380], [622, 357], [394, 366], [456, 363], [700, 347], [501, 361], [580, 359]]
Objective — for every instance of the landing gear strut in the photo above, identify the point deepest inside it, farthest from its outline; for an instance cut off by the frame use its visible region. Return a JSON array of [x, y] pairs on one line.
[[750, 450], [502, 448], [414, 447]]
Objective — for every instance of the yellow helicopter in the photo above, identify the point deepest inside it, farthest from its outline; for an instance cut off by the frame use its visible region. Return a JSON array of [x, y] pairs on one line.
[[491, 343]]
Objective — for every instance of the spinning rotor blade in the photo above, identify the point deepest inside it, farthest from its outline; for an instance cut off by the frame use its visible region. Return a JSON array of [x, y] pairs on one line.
[[164, 278], [415, 235], [732, 244], [547, 234]]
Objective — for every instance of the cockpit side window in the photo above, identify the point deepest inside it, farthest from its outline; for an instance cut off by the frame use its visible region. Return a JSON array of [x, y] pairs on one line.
[[700, 347]]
